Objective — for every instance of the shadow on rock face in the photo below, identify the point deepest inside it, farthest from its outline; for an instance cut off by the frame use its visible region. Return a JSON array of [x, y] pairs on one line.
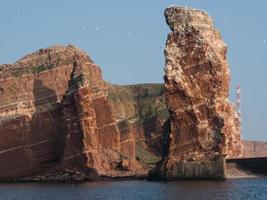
[[166, 137], [46, 125]]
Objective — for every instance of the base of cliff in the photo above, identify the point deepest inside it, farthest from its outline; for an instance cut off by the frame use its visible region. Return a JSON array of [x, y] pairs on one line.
[[71, 175], [173, 170]]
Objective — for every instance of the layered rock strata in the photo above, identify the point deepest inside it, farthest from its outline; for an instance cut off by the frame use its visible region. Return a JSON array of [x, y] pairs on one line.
[[55, 116], [253, 149], [60, 121], [203, 124], [143, 108]]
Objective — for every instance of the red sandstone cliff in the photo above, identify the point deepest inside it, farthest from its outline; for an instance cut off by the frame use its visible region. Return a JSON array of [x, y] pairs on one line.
[[203, 124], [54, 116], [60, 121], [254, 149], [143, 108]]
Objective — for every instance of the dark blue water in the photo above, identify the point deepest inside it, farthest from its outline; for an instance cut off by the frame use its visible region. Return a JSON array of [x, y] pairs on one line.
[[128, 190]]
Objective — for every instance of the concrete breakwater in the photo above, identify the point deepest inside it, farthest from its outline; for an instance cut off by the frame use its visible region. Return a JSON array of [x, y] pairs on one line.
[[246, 167]]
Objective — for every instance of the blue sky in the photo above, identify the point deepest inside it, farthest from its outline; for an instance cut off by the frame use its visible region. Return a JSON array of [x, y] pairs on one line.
[[126, 39]]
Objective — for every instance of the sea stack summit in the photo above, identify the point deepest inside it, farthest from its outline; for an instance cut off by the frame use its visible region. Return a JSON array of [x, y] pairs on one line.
[[204, 127]]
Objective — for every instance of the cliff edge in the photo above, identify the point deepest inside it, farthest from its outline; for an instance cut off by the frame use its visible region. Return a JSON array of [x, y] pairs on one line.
[[56, 121]]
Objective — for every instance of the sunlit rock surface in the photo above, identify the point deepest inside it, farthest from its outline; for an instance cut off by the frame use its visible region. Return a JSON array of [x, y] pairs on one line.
[[203, 124], [55, 116]]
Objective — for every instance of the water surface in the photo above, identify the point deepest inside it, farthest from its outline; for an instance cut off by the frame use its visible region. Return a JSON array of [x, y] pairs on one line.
[[138, 190]]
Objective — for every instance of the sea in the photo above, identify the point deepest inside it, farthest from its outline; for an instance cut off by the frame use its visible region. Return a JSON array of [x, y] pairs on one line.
[[233, 189]]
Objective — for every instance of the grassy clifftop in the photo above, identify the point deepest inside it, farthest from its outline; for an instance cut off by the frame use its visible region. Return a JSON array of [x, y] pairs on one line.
[[140, 101]]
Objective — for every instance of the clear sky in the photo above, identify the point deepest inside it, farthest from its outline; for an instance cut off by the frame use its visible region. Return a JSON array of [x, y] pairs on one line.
[[126, 39]]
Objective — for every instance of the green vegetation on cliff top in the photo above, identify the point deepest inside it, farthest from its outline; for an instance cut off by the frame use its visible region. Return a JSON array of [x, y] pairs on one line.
[[145, 100]]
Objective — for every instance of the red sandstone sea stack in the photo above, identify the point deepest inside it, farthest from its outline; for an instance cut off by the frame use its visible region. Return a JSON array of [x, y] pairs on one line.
[[203, 124]]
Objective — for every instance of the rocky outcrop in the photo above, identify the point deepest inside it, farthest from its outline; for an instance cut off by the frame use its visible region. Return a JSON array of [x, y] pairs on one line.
[[55, 116], [60, 121], [143, 108], [203, 123]]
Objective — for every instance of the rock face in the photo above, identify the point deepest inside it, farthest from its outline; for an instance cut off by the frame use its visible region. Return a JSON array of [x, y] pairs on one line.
[[254, 149], [60, 121], [55, 116], [143, 108], [203, 124]]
